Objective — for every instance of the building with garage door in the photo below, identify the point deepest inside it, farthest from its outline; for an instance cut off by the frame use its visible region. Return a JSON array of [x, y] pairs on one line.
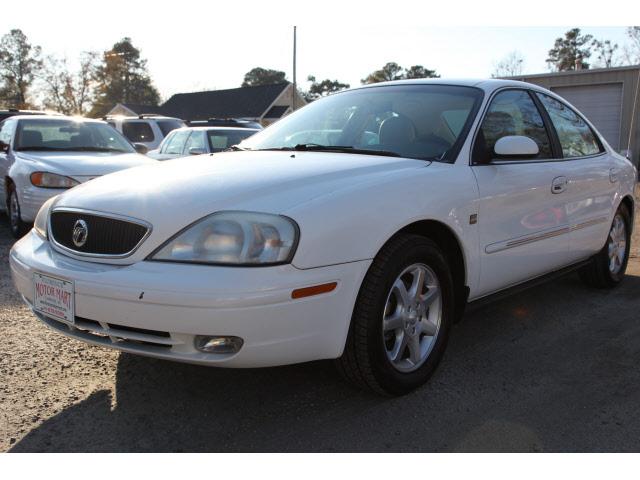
[[609, 98]]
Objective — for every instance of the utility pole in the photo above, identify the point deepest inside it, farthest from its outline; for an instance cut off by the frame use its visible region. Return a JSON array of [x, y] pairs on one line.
[[295, 88]]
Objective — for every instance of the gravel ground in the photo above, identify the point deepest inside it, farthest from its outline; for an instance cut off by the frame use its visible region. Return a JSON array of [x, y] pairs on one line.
[[551, 369]]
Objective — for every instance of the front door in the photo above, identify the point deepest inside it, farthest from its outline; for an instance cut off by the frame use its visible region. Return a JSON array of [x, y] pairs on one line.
[[522, 221]]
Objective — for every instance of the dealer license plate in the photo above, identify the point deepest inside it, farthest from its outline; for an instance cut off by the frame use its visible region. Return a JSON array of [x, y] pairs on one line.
[[54, 297]]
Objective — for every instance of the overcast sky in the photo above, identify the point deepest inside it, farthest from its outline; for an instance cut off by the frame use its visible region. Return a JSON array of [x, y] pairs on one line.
[[194, 45]]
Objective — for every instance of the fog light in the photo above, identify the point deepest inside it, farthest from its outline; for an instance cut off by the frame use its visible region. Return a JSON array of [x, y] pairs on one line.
[[218, 344]]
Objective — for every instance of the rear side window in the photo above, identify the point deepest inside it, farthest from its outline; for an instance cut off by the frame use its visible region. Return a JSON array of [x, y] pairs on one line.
[[138, 131], [576, 137], [512, 112], [167, 126]]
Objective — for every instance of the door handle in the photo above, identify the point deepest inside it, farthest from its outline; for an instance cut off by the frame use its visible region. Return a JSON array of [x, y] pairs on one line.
[[613, 175], [559, 184]]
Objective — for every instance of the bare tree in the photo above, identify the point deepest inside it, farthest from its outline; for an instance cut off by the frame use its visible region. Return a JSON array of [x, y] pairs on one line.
[[606, 53], [632, 51], [511, 65], [69, 92]]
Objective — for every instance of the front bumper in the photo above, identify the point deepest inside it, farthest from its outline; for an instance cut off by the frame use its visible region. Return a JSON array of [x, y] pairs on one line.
[[157, 309]]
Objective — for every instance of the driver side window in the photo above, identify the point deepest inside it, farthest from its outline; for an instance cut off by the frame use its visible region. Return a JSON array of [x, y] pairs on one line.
[[175, 145], [512, 112]]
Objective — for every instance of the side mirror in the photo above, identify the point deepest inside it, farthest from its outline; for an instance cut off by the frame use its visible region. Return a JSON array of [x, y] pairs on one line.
[[4, 147], [516, 146], [141, 148], [196, 151]]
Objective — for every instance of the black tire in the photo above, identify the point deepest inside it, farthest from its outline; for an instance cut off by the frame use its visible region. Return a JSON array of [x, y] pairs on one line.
[[597, 273], [364, 361], [17, 226]]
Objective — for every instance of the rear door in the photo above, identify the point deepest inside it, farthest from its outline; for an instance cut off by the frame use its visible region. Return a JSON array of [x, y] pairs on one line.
[[522, 224], [140, 131], [593, 182]]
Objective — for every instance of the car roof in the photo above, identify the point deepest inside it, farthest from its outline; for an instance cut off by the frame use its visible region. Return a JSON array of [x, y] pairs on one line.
[[235, 129], [140, 117], [23, 112], [488, 85], [56, 117]]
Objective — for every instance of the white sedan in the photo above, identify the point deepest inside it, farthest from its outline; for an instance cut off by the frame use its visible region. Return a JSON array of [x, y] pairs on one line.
[[41, 156], [364, 244]]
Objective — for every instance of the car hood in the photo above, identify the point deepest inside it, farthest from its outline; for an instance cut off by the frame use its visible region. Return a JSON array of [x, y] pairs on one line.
[[173, 194], [83, 164]]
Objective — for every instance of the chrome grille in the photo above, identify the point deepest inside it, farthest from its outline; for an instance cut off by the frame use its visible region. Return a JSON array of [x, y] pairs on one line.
[[106, 236]]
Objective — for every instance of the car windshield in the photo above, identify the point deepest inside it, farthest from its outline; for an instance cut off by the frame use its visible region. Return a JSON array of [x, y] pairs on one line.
[[222, 139], [70, 136], [412, 120]]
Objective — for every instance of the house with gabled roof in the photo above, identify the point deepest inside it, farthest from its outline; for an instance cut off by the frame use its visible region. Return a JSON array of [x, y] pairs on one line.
[[264, 103]]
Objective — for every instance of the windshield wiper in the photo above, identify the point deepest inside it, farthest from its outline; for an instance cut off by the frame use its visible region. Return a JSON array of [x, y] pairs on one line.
[[314, 147], [39, 148], [95, 149], [42, 148], [236, 148]]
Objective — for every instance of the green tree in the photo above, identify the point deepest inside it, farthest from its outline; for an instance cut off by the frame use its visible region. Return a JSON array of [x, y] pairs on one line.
[[566, 51], [263, 76], [123, 77], [19, 64], [391, 71], [69, 92], [323, 88], [418, 71]]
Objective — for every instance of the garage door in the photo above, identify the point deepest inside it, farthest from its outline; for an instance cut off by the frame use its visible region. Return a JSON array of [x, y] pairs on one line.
[[601, 104]]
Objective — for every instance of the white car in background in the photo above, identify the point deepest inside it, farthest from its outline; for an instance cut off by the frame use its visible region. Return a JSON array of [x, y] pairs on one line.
[[41, 156], [199, 140], [431, 194], [147, 130]]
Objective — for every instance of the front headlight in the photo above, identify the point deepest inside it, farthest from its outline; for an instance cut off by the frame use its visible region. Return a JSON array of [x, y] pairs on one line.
[[42, 218], [233, 238], [52, 180]]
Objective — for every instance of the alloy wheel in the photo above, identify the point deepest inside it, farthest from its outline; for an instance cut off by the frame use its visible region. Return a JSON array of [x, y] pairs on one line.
[[412, 317], [617, 244]]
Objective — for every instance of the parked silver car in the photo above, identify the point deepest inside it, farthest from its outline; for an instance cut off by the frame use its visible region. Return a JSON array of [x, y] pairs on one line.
[[43, 155], [199, 140]]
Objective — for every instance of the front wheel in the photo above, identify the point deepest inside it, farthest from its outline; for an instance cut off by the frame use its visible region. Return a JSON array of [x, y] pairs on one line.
[[18, 227], [402, 318], [607, 268]]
